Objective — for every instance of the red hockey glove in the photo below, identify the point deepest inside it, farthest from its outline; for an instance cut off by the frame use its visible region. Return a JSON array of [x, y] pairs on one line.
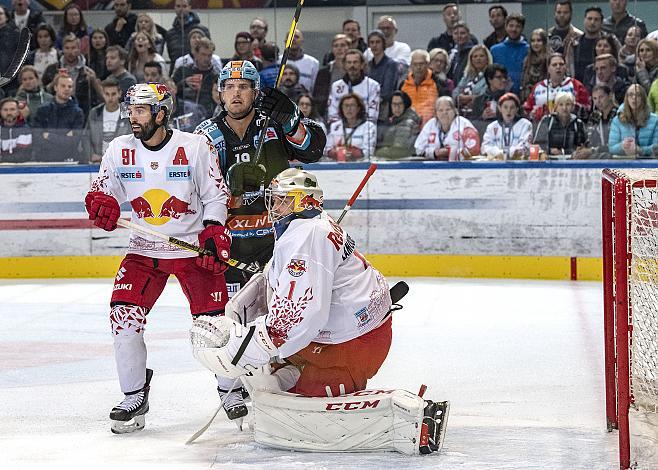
[[103, 209], [217, 239]]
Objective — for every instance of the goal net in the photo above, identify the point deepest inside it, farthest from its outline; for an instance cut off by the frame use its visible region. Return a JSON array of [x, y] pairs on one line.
[[630, 268]]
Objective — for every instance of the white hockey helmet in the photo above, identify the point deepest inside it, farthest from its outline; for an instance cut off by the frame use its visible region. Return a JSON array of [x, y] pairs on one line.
[[156, 95], [293, 191]]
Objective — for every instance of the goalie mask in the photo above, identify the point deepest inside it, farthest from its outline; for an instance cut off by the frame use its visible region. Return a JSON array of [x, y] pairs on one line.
[[293, 193]]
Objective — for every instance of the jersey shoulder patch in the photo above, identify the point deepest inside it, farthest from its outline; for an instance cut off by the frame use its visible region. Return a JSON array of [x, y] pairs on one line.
[[211, 131]]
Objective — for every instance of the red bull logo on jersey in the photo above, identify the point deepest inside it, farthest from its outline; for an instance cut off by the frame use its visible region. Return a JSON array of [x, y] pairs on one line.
[[174, 207], [296, 267], [157, 207], [141, 207]]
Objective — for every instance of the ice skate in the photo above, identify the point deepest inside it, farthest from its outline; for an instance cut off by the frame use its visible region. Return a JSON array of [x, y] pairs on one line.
[[234, 405], [128, 416], [434, 425]]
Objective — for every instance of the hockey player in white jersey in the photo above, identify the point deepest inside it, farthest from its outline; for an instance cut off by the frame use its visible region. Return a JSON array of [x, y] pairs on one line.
[[323, 312], [173, 183]]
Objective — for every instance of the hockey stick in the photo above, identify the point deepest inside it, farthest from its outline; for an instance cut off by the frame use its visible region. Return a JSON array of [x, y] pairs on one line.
[[284, 61], [19, 57], [212, 418], [365, 179], [252, 267]]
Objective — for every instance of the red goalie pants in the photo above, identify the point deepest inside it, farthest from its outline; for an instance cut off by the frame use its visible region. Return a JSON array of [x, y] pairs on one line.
[[351, 363], [140, 281]]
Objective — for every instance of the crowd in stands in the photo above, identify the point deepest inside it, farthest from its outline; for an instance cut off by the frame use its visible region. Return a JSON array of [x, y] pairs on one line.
[[561, 92]]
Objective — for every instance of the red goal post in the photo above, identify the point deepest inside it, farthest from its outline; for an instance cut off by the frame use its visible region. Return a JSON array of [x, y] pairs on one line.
[[630, 291]]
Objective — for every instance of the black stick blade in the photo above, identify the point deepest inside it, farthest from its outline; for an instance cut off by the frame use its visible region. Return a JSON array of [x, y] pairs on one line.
[[398, 291]]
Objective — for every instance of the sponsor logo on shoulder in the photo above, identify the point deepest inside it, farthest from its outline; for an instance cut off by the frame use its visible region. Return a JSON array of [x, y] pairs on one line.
[[179, 173], [270, 134], [131, 173], [296, 267]]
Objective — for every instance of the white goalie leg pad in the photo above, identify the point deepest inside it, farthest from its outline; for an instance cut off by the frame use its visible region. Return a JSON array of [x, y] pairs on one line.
[[369, 420], [250, 302]]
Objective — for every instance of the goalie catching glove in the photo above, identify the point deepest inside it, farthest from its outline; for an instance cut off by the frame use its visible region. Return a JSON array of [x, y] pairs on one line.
[[215, 238], [229, 349], [103, 209]]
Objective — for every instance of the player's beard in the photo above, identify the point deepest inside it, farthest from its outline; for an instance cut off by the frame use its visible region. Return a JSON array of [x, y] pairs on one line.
[[146, 132]]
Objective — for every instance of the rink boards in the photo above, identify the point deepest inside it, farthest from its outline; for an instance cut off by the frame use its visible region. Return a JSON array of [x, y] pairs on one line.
[[521, 219]]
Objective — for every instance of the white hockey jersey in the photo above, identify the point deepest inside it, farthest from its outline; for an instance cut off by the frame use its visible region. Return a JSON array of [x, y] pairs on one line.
[[363, 137], [171, 190], [368, 89], [462, 138], [324, 290], [507, 140]]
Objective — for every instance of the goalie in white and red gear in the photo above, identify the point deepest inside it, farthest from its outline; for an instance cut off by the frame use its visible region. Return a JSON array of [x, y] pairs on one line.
[[172, 181], [328, 317]]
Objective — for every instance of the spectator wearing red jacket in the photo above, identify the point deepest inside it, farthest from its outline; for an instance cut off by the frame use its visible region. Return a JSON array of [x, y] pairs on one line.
[[542, 97]]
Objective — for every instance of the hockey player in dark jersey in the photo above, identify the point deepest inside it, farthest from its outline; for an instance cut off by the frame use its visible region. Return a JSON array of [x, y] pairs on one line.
[[235, 133]]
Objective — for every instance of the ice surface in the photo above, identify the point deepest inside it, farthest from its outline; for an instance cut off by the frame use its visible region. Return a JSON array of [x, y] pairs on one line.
[[521, 362]]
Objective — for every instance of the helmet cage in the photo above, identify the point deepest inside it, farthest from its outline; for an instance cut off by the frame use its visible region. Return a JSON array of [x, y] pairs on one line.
[[293, 192]]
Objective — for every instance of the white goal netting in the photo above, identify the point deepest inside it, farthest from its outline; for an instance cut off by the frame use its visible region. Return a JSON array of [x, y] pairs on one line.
[[642, 239], [643, 292]]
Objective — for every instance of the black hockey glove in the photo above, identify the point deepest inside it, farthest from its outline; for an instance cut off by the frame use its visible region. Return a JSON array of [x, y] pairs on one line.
[[245, 176], [281, 109]]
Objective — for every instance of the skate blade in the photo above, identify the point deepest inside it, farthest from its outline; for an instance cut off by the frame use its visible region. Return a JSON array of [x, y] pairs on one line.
[[238, 422], [126, 427]]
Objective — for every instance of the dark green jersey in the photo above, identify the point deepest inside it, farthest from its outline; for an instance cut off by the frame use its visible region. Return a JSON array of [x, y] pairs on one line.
[[253, 238]]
